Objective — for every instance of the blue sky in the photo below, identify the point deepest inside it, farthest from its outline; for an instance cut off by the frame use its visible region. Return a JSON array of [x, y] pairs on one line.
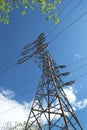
[[18, 83]]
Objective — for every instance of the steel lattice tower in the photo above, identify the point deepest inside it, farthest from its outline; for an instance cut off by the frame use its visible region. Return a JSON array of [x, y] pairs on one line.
[[51, 109]]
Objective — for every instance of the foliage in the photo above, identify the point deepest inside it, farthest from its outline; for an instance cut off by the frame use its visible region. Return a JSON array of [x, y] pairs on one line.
[[47, 7], [15, 126], [18, 126]]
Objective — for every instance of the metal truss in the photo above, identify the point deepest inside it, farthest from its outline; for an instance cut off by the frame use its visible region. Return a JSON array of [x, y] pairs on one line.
[[51, 109]]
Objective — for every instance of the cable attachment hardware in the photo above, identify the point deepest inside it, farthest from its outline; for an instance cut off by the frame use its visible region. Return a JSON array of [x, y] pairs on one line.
[[70, 82]]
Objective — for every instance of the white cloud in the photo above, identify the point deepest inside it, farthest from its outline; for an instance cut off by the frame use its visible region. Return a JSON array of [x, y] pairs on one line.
[[81, 104], [71, 95], [70, 92], [77, 56], [11, 110], [8, 93]]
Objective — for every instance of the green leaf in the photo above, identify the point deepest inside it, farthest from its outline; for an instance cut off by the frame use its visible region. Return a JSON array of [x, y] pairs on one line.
[[48, 17], [6, 21], [56, 20], [45, 6], [31, 7], [8, 10], [16, 6], [23, 12], [1, 19], [7, 16], [26, 7]]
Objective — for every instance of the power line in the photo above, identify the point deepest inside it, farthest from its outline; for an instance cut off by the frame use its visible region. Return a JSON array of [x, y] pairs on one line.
[[60, 22], [24, 92], [78, 4], [8, 68], [85, 73], [76, 69], [12, 66], [61, 11], [9, 61], [9, 56], [22, 86], [49, 42], [21, 49], [76, 62], [28, 82], [31, 88], [69, 83], [81, 76], [17, 106]]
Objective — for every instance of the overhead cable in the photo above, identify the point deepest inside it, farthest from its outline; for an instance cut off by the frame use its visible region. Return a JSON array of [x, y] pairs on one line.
[[76, 20], [77, 61], [55, 27], [61, 11]]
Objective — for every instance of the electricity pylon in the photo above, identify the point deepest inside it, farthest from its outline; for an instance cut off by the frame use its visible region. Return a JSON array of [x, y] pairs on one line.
[[50, 107]]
